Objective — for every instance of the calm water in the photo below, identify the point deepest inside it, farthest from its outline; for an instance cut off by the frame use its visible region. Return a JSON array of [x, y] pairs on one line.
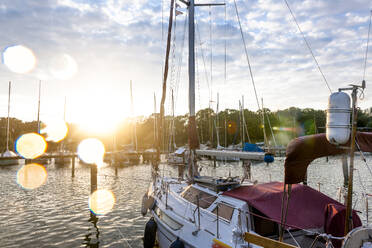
[[57, 213]]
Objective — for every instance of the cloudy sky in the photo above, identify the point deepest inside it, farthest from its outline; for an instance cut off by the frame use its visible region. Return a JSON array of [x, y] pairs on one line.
[[89, 50]]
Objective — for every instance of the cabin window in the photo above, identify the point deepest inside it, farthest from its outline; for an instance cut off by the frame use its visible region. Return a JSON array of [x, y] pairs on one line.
[[167, 220], [205, 200], [224, 211], [264, 226]]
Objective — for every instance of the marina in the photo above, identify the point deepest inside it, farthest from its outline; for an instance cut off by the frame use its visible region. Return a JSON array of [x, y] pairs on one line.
[[208, 164], [57, 214]]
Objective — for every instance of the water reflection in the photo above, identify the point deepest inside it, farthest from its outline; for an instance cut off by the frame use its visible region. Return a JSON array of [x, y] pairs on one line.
[[91, 239], [57, 214], [31, 176]]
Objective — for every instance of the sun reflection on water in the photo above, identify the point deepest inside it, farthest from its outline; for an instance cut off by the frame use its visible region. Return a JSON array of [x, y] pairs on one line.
[[101, 201], [31, 176], [91, 151], [19, 59], [31, 145]]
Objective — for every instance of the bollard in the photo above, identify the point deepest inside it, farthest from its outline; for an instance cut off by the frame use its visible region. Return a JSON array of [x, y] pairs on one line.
[[93, 178], [73, 167]]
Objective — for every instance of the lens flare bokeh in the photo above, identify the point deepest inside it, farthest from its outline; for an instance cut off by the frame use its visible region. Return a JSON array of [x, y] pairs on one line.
[[63, 67], [31, 145], [31, 176], [101, 201], [19, 59], [56, 130], [231, 127], [91, 151]]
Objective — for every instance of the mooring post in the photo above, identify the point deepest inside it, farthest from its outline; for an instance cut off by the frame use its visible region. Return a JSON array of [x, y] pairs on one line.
[[93, 178], [214, 162], [73, 167]]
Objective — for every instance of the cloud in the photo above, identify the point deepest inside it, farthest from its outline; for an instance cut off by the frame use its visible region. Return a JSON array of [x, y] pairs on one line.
[[116, 41]]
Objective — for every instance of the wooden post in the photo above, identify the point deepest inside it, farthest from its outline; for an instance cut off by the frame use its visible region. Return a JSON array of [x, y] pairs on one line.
[[349, 212], [265, 242], [214, 162], [73, 167], [367, 209], [93, 178]]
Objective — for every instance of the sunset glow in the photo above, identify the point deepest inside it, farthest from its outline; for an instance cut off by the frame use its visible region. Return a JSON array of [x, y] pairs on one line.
[[56, 130]]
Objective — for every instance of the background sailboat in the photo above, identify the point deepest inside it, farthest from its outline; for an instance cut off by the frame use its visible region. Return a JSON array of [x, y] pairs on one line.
[[8, 153]]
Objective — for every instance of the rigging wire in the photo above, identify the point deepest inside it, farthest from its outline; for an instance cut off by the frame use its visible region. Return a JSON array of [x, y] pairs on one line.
[[271, 129], [308, 46], [365, 57], [225, 75], [178, 77], [246, 54], [211, 50], [203, 56]]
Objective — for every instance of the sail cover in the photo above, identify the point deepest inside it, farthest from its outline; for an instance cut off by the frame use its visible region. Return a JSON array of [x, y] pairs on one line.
[[306, 208], [303, 150]]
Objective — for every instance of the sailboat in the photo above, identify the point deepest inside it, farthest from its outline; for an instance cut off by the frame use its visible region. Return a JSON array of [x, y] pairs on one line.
[[130, 154], [226, 212], [8, 153], [176, 156], [149, 154], [62, 146], [40, 160]]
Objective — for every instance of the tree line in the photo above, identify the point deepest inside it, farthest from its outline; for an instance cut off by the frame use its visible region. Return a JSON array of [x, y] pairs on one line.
[[280, 127]]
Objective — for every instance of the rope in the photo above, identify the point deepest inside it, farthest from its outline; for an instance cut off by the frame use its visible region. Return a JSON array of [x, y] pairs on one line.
[[363, 157], [290, 234], [246, 54], [365, 57], [308, 46], [122, 236]]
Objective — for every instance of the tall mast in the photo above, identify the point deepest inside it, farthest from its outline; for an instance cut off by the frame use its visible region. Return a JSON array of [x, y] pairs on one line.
[[216, 121], [64, 110], [38, 109], [7, 128], [193, 136], [164, 88], [173, 141], [134, 137], [243, 123], [263, 123], [155, 128]]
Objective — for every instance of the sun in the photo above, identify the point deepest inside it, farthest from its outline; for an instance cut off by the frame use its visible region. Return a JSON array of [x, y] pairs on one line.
[[98, 115]]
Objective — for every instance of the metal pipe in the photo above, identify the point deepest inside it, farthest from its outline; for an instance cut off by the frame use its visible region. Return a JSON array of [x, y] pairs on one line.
[[367, 209], [218, 225], [197, 200]]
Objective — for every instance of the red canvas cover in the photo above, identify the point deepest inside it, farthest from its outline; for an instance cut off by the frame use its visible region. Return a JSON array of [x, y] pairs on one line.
[[334, 222], [306, 205], [303, 150]]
